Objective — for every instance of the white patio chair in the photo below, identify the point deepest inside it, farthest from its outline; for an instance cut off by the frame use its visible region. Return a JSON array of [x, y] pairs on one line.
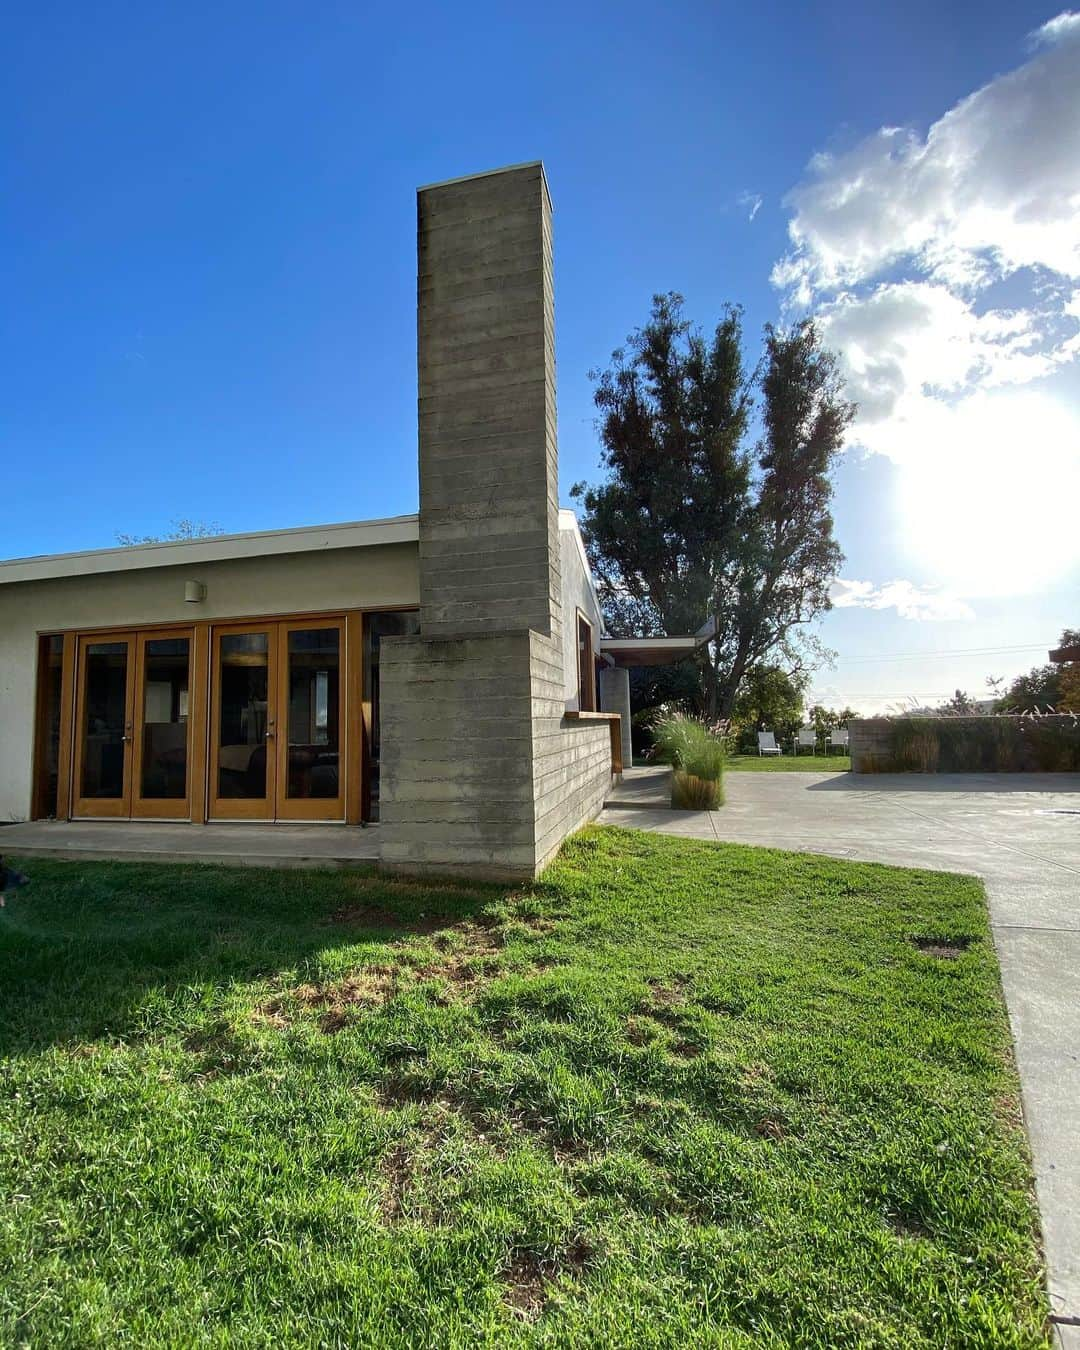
[[806, 739], [838, 737], [766, 744]]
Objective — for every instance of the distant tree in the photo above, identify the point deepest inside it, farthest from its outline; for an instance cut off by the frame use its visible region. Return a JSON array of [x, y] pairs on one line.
[[828, 719], [1046, 688], [1039, 689], [696, 524], [181, 529], [1070, 674], [769, 699], [960, 705]]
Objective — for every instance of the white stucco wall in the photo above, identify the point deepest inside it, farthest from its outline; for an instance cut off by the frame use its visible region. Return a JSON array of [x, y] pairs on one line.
[[377, 576], [577, 593]]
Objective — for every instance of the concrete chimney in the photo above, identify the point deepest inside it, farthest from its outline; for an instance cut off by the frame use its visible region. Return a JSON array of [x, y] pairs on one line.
[[489, 473], [481, 772]]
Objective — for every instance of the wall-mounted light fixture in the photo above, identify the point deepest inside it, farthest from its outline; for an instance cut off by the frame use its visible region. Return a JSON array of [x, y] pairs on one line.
[[194, 591]]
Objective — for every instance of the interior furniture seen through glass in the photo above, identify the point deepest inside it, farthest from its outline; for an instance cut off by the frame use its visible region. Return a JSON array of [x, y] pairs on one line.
[[105, 673], [314, 670], [165, 713], [242, 721]]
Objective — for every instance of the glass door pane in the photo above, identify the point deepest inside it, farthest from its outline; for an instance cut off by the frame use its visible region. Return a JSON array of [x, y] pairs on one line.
[[244, 717], [50, 711], [102, 782], [163, 744], [313, 685]]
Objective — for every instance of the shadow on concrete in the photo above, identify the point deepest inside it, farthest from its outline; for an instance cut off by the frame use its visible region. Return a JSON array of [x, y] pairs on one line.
[[948, 782]]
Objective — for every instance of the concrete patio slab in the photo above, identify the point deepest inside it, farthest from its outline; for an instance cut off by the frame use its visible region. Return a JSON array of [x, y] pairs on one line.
[[1021, 834], [231, 845]]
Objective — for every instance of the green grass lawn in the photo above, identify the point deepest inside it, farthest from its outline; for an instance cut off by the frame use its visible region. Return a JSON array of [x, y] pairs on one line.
[[787, 763], [675, 1094]]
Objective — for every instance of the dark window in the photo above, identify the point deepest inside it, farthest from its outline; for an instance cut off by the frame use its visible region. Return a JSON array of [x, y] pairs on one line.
[[392, 623], [586, 666], [50, 693]]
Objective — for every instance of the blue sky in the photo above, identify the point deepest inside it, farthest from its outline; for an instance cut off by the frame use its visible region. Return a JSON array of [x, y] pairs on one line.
[[209, 253]]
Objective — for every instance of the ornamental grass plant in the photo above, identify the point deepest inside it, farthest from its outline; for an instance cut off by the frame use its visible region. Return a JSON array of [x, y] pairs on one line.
[[696, 752]]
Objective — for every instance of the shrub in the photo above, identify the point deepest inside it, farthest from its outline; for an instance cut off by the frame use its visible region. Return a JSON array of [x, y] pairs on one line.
[[691, 793], [696, 752], [999, 744]]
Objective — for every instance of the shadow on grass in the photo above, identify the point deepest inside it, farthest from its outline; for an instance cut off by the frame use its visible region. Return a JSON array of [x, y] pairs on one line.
[[87, 946]]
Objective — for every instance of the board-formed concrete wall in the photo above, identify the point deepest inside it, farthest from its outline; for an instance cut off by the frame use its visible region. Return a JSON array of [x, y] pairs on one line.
[[481, 773]]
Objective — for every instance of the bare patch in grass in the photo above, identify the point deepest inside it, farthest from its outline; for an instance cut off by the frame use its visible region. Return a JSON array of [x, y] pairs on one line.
[[370, 987], [756, 1074], [770, 1128], [404, 1089], [397, 1173], [638, 1031], [943, 949], [528, 1277], [668, 993], [909, 1227], [685, 1050]]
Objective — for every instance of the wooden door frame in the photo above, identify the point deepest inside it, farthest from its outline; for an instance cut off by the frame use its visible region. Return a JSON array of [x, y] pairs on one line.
[[203, 708], [159, 808], [241, 808], [299, 809], [101, 808]]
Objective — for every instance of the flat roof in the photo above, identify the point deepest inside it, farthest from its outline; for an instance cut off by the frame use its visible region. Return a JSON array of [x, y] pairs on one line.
[[214, 548], [656, 651]]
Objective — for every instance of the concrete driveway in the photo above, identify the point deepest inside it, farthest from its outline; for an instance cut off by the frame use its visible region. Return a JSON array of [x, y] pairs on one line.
[[1021, 834]]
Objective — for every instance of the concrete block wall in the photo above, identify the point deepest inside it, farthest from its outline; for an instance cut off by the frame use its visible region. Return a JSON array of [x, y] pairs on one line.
[[489, 487], [868, 739], [457, 752], [571, 769], [481, 773]]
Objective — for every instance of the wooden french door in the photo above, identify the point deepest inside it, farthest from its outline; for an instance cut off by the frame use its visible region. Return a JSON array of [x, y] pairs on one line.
[[133, 751], [277, 719]]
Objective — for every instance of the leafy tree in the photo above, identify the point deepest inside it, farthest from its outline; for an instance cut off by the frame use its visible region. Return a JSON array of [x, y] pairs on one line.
[[181, 529], [770, 699], [1069, 700], [828, 719], [695, 523], [960, 705], [1046, 688], [1039, 688]]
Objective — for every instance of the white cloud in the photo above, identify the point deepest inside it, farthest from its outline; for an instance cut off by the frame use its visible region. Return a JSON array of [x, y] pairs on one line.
[[910, 601], [907, 248], [994, 186], [750, 202]]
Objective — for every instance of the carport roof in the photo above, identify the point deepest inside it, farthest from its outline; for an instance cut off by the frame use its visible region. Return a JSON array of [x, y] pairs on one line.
[[657, 651]]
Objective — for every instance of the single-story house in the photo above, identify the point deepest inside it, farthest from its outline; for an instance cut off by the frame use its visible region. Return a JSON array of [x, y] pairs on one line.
[[445, 673]]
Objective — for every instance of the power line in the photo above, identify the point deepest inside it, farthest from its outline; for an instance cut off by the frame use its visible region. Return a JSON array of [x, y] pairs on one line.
[[949, 652]]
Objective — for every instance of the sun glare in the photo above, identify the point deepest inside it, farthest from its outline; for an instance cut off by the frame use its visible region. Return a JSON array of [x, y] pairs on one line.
[[991, 505]]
